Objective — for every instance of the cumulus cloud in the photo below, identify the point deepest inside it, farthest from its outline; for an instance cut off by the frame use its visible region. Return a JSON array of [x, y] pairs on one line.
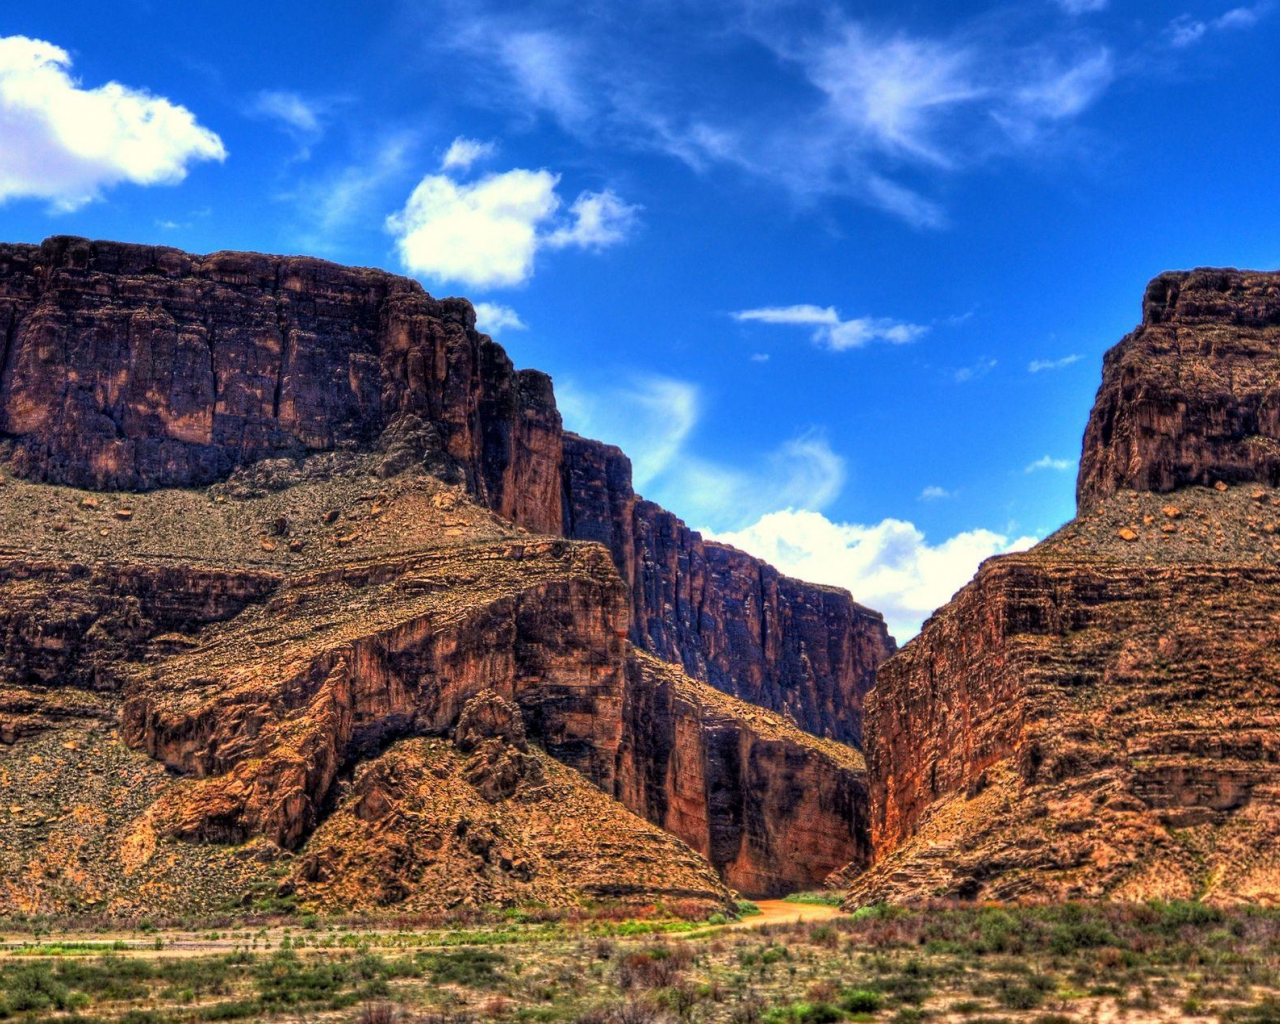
[[66, 144], [494, 318], [1048, 462], [462, 153], [935, 493], [1041, 365], [487, 233], [832, 331], [600, 219], [889, 566]]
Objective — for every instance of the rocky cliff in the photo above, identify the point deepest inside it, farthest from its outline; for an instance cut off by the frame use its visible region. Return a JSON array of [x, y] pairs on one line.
[[135, 367], [1192, 396], [359, 689], [1096, 717], [808, 652]]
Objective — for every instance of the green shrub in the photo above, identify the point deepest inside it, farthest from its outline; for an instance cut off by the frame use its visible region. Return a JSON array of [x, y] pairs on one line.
[[861, 1000]]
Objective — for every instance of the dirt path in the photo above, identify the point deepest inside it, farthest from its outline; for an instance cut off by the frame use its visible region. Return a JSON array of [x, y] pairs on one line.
[[782, 912]]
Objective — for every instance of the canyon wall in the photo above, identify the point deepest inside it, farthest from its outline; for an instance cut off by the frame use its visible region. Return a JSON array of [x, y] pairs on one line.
[[140, 367], [136, 367], [806, 651]]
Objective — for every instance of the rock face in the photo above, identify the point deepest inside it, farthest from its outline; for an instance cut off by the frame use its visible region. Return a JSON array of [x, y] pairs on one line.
[[1193, 395], [805, 651], [773, 808], [368, 689], [1096, 718], [138, 367]]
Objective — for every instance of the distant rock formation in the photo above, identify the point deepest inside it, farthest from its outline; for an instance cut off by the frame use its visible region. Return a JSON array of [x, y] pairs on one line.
[[1095, 718]]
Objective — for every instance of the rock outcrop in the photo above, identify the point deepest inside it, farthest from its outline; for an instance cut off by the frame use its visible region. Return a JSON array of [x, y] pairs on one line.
[[141, 367], [1096, 718], [775, 809], [1193, 395]]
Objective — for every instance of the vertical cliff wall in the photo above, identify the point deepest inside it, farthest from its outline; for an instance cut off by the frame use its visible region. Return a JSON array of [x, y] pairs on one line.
[[136, 367], [1192, 396], [805, 651]]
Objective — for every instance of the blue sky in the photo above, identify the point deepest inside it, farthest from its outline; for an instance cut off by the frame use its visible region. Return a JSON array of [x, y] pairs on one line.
[[837, 276]]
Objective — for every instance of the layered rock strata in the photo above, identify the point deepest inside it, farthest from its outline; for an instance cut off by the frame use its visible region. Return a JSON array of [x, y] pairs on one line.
[[367, 689], [805, 651]]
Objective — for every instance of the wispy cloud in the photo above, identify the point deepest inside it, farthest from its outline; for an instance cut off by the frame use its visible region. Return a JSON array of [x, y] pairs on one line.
[[66, 144], [974, 371], [935, 493], [832, 331], [333, 203], [1048, 462], [652, 418], [859, 109], [297, 115], [463, 152], [1041, 365], [1077, 7], [1186, 30]]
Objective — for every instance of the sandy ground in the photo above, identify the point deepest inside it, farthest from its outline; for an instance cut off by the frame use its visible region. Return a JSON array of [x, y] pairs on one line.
[[180, 945], [782, 912]]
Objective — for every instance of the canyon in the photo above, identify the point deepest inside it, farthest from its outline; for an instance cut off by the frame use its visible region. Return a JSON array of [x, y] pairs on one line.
[[313, 587]]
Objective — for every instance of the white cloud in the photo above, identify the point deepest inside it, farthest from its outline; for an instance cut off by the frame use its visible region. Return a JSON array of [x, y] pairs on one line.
[[1186, 30], [830, 330], [66, 144], [980, 369], [462, 153], [889, 566], [487, 233], [1041, 365], [759, 357], [299, 116], [494, 318], [935, 493], [600, 219], [897, 89], [1078, 7], [1048, 462]]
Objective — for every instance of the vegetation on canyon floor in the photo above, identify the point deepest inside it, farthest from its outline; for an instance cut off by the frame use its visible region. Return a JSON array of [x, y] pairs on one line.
[[976, 963]]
